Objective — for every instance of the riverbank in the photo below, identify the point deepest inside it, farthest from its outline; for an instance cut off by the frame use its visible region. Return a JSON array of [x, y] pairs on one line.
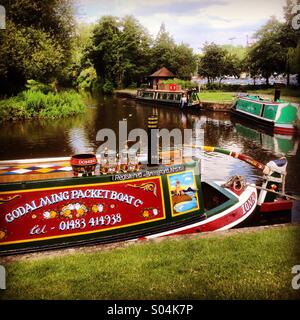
[[251, 263], [37, 104]]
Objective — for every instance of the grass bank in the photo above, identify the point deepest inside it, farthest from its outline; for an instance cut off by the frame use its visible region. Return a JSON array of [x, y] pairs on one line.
[[29, 104], [235, 265], [216, 96]]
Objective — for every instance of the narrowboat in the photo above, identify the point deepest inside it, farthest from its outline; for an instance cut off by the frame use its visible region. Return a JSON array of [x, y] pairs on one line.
[[54, 203], [171, 95], [279, 144], [282, 117]]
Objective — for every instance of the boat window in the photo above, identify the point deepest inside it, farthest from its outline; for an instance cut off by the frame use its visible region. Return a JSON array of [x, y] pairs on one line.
[[178, 96], [171, 96], [164, 96], [148, 94], [159, 95]]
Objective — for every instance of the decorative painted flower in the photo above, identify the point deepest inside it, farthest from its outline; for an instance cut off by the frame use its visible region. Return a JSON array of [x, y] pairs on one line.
[[155, 212], [2, 234], [81, 210], [66, 212], [94, 208], [146, 214], [46, 215]]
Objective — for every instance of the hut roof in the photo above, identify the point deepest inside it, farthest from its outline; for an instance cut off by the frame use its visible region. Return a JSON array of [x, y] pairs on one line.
[[162, 73]]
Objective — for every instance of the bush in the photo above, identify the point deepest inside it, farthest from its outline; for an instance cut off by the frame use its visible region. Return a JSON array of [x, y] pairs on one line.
[[87, 78], [108, 87], [38, 104], [184, 84], [34, 85]]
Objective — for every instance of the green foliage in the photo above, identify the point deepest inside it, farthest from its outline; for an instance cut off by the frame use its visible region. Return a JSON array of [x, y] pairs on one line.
[[267, 57], [119, 51], [184, 84], [179, 59], [34, 85], [36, 42], [36, 103], [108, 87], [217, 62], [123, 53], [239, 51], [87, 78], [294, 59]]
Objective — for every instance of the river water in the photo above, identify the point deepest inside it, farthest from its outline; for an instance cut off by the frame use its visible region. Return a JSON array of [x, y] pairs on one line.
[[54, 138]]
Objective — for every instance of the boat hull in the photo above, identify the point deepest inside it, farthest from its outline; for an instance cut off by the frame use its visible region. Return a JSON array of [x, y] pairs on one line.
[[279, 117], [47, 214], [167, 98]]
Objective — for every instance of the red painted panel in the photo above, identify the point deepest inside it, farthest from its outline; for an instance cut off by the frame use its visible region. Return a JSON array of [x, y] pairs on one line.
[[172, 87], [66, 211], [279, 205]]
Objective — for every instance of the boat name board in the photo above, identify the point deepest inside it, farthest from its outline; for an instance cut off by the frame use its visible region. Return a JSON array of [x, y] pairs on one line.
[[248, 205], [148, 173], [45, 213]]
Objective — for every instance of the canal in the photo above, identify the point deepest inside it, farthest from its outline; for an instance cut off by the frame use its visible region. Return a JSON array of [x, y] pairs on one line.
[[54, 138]]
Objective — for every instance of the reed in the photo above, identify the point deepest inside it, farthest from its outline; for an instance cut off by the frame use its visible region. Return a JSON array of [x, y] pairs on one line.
[[29, 104]]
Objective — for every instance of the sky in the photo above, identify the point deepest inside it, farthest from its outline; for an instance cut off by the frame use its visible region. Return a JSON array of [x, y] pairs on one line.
[[190, 21]]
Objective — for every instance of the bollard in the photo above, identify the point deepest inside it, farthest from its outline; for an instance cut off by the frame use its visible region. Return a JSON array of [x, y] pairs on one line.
[[153, 153]]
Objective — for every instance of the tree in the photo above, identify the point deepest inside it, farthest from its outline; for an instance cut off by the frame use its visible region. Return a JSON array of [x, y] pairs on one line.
[[179, 59], [162, 51], [267, 57], [119, 50], [135, 51], [184, 61], [216, 62], [36, 42], [289, 38]]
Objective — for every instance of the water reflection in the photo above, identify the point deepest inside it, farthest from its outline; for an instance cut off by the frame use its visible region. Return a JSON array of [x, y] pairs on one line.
[[34, 139]]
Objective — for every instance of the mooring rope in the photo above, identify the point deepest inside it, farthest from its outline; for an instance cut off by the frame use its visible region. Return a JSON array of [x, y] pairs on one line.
[[265, 169]]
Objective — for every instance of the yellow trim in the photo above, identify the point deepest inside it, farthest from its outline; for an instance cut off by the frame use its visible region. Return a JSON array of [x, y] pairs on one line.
[[170, 195], [78, 185], [94, 231], [208, 149]]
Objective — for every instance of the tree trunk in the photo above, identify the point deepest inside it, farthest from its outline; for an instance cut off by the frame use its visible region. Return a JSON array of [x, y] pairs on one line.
[[267, 80]]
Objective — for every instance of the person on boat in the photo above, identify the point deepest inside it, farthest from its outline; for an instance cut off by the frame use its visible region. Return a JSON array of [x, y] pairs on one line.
[[183, 101], [178, 189]]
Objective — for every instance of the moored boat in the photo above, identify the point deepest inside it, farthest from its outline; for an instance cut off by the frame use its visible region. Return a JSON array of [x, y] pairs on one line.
[[279, 115], [136, 202], [170, 95]]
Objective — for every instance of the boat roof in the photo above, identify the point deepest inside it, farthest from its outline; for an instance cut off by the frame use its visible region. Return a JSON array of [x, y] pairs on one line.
[[59, 168], [260, 99], [163, 73], [164, 91]]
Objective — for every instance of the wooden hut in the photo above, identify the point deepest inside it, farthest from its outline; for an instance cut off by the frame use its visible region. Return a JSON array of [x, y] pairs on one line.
[[160, 75]]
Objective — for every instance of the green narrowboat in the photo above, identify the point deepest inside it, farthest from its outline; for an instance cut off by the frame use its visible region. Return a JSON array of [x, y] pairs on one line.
[[281, 116], [173, 96]]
